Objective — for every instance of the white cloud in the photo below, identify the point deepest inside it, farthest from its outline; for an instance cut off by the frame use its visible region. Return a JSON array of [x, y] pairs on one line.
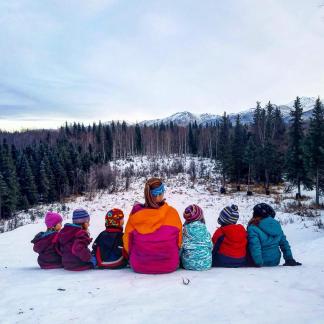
[[139, 60]]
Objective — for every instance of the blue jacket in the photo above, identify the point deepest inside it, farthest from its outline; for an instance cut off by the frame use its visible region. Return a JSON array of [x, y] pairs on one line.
[[196, 253], [265, 242]]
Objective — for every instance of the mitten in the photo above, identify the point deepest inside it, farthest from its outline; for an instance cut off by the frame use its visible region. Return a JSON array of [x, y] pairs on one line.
[[292, 263], [93, 260]]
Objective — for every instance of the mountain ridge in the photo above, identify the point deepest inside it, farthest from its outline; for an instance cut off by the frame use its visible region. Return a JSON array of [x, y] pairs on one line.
[[184, 118]]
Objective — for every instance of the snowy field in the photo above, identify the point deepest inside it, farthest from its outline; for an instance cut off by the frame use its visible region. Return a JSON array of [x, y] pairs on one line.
[[246, 295]]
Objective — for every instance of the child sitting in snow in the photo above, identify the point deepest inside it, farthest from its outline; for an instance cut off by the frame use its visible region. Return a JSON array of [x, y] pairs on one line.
[[266, 238], [74, 240], [229, 240], [196, 252], [45, 243], [108, 246]]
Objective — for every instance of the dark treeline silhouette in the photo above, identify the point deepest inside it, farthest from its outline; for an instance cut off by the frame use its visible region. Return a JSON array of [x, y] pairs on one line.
[[44, 166]]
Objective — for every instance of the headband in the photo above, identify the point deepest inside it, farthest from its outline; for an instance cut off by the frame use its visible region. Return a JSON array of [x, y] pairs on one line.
[[158, 191]]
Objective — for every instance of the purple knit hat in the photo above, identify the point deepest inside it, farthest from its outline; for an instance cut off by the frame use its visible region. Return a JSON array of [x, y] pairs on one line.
[[80, 216], [52, 219], [193, 213]]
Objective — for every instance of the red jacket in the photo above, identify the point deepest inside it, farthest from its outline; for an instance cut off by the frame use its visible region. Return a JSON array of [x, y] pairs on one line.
[[232, 240]]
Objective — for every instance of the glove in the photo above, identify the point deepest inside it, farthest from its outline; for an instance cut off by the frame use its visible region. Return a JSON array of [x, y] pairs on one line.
[[93, 260], [292, 263]]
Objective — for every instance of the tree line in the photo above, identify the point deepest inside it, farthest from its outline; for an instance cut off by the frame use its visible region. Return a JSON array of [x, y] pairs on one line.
[[43, 166]]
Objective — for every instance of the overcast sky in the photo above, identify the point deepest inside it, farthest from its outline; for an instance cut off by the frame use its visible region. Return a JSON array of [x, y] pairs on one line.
[[108, 59]]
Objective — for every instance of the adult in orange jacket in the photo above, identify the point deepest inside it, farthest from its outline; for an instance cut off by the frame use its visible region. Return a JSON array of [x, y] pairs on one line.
[[153, 234]]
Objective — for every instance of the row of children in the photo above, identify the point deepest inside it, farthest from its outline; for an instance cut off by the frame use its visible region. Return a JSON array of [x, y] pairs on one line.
[[154, 238]]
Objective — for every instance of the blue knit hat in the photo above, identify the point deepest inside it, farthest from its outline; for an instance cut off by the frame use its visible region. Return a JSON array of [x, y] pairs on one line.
[[229, 215], [80, 216]]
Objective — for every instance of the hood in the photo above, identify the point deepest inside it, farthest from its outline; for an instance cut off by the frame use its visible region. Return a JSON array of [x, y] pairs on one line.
[[235, 233], [42, 240], [270, 226], [69, 232], [149, 217], [43, 236], [196, 228]]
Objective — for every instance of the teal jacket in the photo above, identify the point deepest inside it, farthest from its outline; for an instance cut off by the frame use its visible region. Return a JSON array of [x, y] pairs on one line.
[[265, 242], [196, 252]]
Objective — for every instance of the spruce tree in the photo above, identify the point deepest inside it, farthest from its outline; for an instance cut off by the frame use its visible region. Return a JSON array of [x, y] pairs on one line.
[[224, 149], [138, 139], [3, 196], [27, 183], [108, 143], [238, 151], [249, 159], [296, 170], [8, 171], [192, 143], [43, 183], [315, 147]]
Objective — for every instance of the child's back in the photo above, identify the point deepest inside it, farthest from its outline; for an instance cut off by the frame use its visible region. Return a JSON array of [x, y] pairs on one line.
[[229, 246], [73, 242], [46, 245], [266, 238], [196, 252], [108, 246], [229, 240]]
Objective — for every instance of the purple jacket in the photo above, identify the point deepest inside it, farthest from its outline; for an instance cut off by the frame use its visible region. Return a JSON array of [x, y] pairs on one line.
[[46, 245], [73, 243]]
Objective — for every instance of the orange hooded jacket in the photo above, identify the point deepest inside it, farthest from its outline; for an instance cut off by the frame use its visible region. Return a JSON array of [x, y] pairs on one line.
[[148, 220]]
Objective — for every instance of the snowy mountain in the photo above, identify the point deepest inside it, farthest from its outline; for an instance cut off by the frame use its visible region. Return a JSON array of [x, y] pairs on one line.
[[180, 118], [186, 117]]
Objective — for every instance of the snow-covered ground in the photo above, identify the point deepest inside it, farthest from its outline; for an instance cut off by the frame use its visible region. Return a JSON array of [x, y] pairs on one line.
[[247, 295]]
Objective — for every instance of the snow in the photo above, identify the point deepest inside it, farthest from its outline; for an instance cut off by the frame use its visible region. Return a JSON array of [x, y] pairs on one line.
[[247, 295]]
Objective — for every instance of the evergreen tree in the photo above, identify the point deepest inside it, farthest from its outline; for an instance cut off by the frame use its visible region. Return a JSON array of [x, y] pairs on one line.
[[138, 139], [249, 159], [269, 151], [192, 143], [258, 129], [3, 195], [60, 177], [8, 171], [296, 171], [315, 147], [27, 183], [108, 143], [225, 149], [238, 151], [44, 183]]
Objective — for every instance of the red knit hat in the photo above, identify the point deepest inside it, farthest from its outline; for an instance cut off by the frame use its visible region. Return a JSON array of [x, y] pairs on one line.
[[114, 218]]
